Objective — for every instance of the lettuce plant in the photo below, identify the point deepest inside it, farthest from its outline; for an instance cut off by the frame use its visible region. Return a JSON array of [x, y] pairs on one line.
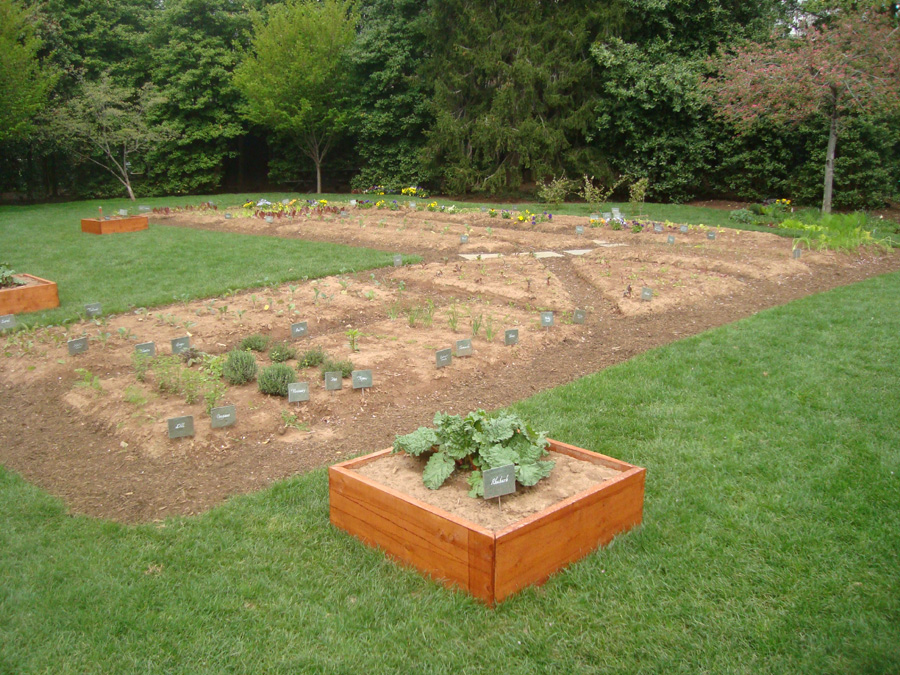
[[479, 441]]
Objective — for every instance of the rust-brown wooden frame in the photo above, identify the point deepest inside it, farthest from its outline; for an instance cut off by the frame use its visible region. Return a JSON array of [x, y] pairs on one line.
[[114, 225], [37, 295], [491, 565]]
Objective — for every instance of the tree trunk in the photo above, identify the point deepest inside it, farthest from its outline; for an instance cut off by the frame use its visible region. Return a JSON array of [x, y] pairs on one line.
[[829, 162], [318, 177]]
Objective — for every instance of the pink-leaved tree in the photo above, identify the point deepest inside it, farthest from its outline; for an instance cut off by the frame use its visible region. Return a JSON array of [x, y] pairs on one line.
[[851, 62]]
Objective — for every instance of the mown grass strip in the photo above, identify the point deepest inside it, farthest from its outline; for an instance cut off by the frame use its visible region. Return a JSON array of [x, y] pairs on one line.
[[157, 266], [770, 544]]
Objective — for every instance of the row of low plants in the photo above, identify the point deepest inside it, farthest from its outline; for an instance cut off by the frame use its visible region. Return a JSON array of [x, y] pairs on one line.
[[838, 231], [198, 376]]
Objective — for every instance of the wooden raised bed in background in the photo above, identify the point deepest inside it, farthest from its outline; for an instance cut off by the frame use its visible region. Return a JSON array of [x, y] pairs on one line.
[[36, 295], [490, 565], [114, 225]]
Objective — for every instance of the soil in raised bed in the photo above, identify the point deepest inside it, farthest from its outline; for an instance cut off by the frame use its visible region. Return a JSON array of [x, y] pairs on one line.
[[569, 477]]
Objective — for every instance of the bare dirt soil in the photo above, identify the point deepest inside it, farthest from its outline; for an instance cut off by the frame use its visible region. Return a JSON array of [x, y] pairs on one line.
[[85, 429]]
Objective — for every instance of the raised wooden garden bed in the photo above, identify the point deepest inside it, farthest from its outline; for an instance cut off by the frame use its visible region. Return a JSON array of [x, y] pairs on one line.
[[35, 295], [488, 564], [114, 225]]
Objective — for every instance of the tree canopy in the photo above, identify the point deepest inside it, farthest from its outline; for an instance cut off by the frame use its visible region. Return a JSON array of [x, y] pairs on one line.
[[294, 78], [851, 62]]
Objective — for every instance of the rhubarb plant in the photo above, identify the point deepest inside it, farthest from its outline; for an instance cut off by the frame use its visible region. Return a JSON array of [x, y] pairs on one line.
[[478, 441]]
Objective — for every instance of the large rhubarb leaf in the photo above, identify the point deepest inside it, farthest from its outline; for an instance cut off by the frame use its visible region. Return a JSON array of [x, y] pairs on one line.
[[418, 442], [438, 469], [531, 472]]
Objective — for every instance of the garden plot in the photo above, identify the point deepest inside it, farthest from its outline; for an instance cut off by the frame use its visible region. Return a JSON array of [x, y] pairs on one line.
[[87, 429]]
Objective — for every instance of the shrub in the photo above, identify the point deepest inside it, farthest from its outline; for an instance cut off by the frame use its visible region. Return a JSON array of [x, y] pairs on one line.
[[554, 191], [255, 343], [312, 357], [282, 352], [275, 379], [240, 367], [330, 366], [743, 216]]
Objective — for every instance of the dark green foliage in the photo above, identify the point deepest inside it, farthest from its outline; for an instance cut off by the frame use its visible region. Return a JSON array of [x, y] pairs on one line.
[[514, 88], [312, 357], [329, 365], [391, 98], [479, 441], [194, 47], [255, 343], [282, 352], [275, 379], [240, 367]]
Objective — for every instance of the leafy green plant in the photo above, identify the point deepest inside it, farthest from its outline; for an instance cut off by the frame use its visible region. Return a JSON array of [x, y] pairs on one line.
[[329, 365], [274, 379], [489, 328], [141, 363], [476, 324], [554, 190], [352, 336], [637, 192], [167, 373], [240, 367], [7, 280], [88, 379], [312, 357], [478, 441], [291, 420], [282, 352], [255, 343], [453, 317]]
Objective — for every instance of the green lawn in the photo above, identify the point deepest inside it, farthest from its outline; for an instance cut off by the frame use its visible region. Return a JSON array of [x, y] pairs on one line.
[[770, 543], [157, 266]]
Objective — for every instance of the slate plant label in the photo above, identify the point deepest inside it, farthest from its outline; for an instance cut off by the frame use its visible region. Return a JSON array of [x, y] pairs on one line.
[[7, 321], [579, 229], [683, 229], [463, 239], [334, 380], [412, 205], [181, 344], [443, 357], [123, 212], [546, 319], [398, 261], [500, 481], [148, 348], [270, 219], [671, 239], [223, 417], [464, 348], [511, 336], [299, 330], [143, 209], [298, 392], [579, 317], [657, 228], [646, 294], [362, 379], [77, 346], [228, 216], [352, 202], [181, 427], [596, 216], [93, 309], [796, 253], [711, 234]]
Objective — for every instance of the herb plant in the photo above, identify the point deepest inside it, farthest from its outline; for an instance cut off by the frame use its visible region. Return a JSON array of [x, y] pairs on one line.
[[479, 441], [274, 379], [255, 343], [240, 367]]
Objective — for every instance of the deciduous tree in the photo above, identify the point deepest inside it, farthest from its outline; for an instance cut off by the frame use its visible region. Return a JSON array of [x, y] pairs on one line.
[[293, 80], [851, 62], [106, 124], [24, 84]]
